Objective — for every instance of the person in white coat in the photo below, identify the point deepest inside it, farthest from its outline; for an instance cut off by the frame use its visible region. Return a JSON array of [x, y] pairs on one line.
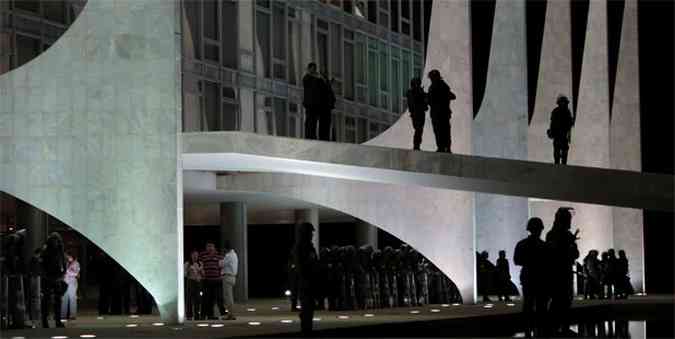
[[69, 300], [229, 269]]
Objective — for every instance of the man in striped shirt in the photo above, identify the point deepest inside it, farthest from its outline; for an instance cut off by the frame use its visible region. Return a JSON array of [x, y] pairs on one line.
[[213, 281]]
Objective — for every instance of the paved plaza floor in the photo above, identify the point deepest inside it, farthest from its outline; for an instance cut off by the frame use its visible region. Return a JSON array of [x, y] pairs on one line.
[[274, 318]]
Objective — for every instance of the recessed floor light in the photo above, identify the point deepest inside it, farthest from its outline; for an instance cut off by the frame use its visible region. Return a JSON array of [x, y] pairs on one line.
[[254, 323], [510, 304], [60, 337], [316, 319], [202, 325], [131, 325], [434, 310], [217, 325], [275, 308], [488, 306], [18, 337], [456, 304], [414, 312], [343, 317], [286, 321], [368, 315], [100, 318], [445, 305], [251, 309], [157, 324], [133, 316], [87, 335]]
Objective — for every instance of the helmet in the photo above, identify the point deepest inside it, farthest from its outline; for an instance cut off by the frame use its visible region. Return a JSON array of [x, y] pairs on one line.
[[562, 99]]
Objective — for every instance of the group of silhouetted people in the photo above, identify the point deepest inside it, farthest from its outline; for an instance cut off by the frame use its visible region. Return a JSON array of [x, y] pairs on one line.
[[319, 101], [494, 279], [437, 101], [604, 278]]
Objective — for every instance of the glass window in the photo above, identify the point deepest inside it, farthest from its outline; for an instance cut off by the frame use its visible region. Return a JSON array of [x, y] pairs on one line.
[[262, 25], [292, 126], [362, 130], [27, 49], [405, 28], [384, 19], [27, 5], [54, 10], [279, 29], [350, 130], [394, 15], [349, 71], [372, 11], [417, 20], [211, 19], [384, 4], [281, 116], [395, 89], [211, 52], [336, 50], [211, 115], [384, 61], [348, 6], [230, 116], [322, 46], [405, 72], [230, 33], [263, 3], [374, 129], [372, 77], [279, 71], [294, 61], [405, 8], [360, 61], [193, 9]]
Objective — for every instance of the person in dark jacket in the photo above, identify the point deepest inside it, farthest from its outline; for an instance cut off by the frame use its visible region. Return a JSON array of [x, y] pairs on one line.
[[306, 262], [417, 106], [562, 122], [326, 107], [439, 100], [503, 277], [562, 254], [312, 101], [53, 287], [530, 254]]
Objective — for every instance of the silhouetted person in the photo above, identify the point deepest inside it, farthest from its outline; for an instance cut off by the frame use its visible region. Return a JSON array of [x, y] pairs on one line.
[[194, 273], [327, 106], [623, 286], [212, 282], [612, 263], [53, 287], [593, 273], [306, 263], [562, 254], [503, 277], [417, 105], [439, 100], [312, 100], [560, 128], [530, 254], [486, 275]]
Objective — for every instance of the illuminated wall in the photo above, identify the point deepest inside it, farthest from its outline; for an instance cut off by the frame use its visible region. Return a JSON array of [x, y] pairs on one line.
[[88, 134]]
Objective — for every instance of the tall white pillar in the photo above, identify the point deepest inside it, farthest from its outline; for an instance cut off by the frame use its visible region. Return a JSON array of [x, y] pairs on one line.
[[234, 228]]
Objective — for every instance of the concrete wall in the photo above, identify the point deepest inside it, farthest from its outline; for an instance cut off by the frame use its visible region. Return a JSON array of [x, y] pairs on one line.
[[88, 133]]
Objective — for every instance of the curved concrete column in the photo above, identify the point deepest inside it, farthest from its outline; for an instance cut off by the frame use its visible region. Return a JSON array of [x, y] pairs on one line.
[[88, 134], [500, 129], [418, 215]]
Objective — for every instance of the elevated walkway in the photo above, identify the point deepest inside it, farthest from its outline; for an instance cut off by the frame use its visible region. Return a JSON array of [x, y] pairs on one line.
[[240, 151]]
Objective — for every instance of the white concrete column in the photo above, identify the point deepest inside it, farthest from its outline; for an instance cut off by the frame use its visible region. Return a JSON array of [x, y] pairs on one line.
[[234, 228], [366, 234], [310, 215]]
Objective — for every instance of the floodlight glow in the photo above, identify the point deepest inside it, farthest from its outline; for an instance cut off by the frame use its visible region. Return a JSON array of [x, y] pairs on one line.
[[202, 325], [251, 309], [254, 323], [287, 293], [368, 315], [343, 317], [217, 325], [131, 325], [275, 308], [434, 310], [414, 312], [286, 321], [87, 335], [157, 324]]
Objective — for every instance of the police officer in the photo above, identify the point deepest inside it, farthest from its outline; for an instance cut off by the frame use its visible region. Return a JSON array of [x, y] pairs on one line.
[[439, 100], [562, 252], [306, 261], [53, 286], [417, 106], [529, 254], [560, 128]]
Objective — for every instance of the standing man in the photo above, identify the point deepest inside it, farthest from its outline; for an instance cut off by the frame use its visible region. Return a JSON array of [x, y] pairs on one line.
[[562, 253], [327, 106], [312, 84], [439, 100], [530, 255], [213, 282], [560, 128], [229, 269], [503, 277], [306, 262], [53, 286], [417, 106], [69, 300]]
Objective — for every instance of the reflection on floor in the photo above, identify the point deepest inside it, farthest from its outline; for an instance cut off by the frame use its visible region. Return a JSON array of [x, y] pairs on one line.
[[273, 317]]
